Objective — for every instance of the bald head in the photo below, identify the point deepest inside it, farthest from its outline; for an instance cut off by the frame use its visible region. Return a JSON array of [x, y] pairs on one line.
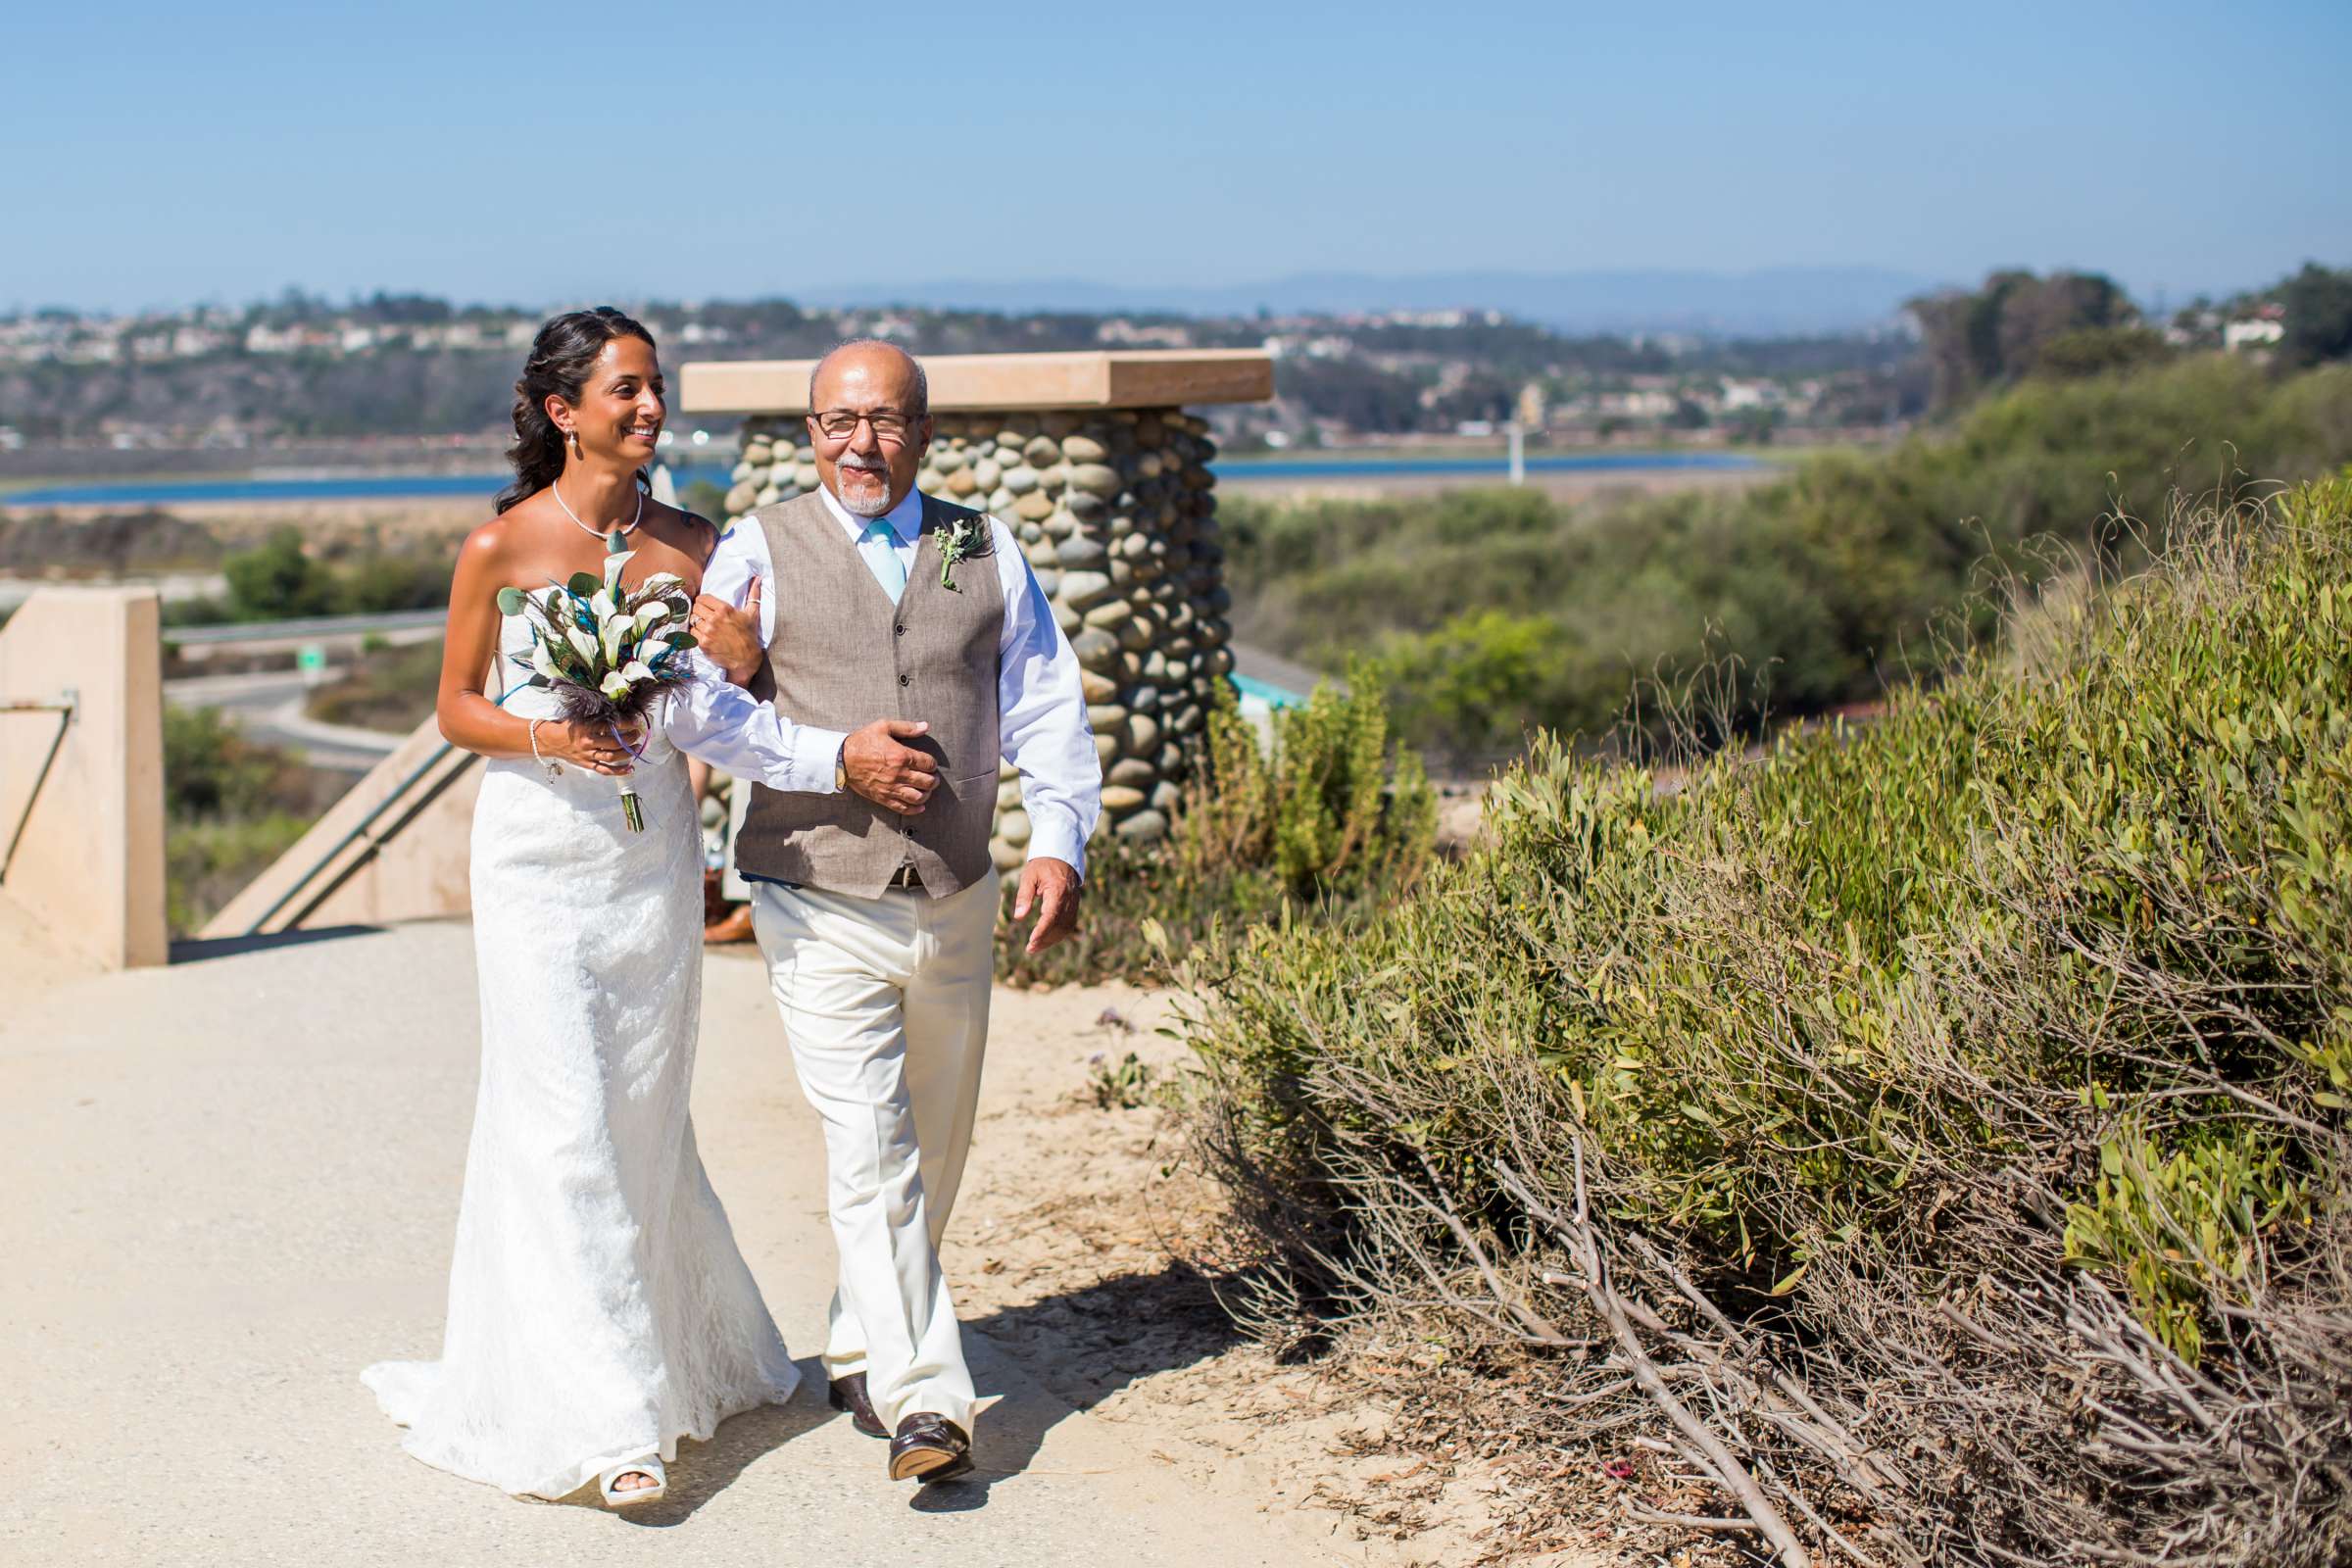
[[868, 358], [869, 421]]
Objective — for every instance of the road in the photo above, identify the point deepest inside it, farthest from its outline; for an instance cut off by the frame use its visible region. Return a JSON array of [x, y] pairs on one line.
[[266, 707]]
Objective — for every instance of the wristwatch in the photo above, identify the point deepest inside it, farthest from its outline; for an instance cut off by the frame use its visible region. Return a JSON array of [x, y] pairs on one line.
[[841, 773]]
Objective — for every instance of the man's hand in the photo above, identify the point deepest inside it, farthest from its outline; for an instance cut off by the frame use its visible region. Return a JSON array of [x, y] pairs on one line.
[[1055, 887], [730, 636], [897, 777]]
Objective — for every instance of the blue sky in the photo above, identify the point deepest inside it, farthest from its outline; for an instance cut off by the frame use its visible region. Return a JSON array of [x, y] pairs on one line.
[[167, 154]]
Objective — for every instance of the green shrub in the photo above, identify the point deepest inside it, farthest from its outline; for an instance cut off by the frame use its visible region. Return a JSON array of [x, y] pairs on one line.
[[1323, 826], [210, 770], [1823, 586], [205, 863], [381, 584], [1470, 688], [230, 807], [277, 580], [2034, 994]]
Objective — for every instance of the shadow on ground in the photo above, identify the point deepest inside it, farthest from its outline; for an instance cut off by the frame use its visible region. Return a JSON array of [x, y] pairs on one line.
[[1079, 1348], [703, 1470], [193, 950]]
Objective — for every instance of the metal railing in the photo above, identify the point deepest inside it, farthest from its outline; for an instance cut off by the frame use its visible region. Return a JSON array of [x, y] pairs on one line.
[[313, 886]]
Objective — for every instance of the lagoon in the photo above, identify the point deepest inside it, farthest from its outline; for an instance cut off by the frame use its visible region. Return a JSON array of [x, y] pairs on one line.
[[1233, 472]]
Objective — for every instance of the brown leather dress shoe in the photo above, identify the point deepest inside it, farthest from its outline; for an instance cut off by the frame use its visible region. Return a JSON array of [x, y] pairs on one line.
[[929, 1447], [849, 1394]]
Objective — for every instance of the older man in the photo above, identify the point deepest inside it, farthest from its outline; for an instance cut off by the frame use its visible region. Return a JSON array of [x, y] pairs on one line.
[[911, 646]]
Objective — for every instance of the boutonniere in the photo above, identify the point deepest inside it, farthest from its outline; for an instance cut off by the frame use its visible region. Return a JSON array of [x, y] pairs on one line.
[[957, 542]]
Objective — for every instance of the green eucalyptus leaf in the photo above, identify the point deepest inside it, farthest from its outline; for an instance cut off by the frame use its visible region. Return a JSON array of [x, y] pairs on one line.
[[584, 584], [509, 601]]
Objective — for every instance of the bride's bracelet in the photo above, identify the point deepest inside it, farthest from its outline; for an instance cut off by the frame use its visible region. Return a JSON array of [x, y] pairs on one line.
[[552, 768]]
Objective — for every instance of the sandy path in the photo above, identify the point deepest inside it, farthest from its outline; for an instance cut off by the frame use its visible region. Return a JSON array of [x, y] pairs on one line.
[[232, 1183]]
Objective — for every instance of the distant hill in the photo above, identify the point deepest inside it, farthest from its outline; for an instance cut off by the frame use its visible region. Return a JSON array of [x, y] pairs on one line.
[[1773, 301]]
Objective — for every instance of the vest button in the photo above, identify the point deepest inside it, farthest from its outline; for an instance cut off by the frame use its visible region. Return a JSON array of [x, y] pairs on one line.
[[898, 630], [905, 680]]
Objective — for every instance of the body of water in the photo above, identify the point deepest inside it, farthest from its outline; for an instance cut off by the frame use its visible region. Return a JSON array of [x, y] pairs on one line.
[[1242, 470], [410, 487]]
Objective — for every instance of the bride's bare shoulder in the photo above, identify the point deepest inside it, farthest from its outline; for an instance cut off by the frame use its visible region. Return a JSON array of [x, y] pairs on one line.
[[493, 544]]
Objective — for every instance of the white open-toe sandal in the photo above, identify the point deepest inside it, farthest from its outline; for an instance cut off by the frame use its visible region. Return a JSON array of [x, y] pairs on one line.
[[648, 1466]]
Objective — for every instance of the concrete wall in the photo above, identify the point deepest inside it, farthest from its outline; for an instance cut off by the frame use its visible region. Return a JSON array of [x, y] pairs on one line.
[[89, 864]]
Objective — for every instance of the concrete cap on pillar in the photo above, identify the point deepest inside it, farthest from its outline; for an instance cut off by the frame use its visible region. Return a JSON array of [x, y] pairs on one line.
[[1138, 378]]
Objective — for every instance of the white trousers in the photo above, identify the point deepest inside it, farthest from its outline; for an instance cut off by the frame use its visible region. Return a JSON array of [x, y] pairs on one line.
[[885, 1002]]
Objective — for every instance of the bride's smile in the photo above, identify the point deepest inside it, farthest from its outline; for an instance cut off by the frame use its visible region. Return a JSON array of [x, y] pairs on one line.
[[628, 398]]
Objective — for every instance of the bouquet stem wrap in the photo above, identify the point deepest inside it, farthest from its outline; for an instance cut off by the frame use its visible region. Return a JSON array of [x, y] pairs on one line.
[[630, 811]]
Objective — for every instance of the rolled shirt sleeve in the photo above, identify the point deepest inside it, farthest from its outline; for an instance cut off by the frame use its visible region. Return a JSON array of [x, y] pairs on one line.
[[1041, 704]]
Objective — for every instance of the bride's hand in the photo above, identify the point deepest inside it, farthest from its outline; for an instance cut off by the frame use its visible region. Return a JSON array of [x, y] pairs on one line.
[[592, 745], [730, 636]]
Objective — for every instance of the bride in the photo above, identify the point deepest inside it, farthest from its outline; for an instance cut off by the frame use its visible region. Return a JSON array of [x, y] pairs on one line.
[[599, 1310]]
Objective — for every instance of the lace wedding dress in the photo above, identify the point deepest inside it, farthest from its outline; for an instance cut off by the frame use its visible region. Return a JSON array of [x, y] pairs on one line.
[[599, 1310]]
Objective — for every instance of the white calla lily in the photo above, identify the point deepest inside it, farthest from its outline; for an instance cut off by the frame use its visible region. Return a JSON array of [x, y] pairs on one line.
[[543, 662], [581, 640], [651, 614], [635, 671], [616, 686], [601, 605], [614, 633], [612, 565]]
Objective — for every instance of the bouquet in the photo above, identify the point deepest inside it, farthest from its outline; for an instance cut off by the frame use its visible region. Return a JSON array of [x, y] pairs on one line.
[[607, 652]]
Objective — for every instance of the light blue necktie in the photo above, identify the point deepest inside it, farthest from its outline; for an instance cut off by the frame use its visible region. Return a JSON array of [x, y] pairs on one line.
[[879, 545]]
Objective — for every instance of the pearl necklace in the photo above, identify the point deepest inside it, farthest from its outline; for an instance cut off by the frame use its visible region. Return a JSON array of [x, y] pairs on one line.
[[614, 542]]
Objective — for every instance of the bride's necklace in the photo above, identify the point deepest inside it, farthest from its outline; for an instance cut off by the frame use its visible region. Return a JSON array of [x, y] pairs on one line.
[[614, 542]]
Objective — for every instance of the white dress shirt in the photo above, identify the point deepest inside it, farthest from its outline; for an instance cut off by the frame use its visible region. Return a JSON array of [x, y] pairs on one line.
[[726, 726], [1041, 701]]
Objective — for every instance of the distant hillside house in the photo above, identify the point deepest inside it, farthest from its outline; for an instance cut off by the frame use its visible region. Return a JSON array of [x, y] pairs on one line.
[[1738, 395], [2259, 332], [1119, 331]]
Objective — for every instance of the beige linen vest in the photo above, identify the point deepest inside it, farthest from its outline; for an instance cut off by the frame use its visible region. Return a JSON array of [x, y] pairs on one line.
[[844, 656]]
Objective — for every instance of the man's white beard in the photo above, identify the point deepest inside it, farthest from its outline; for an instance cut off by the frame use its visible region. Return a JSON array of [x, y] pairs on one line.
[[872, 505]]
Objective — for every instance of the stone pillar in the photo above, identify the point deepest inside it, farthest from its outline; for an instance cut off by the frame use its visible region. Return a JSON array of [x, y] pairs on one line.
[[1114, 506]]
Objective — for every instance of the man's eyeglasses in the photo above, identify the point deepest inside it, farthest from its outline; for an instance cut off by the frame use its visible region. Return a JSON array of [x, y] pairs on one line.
[[890, 425]]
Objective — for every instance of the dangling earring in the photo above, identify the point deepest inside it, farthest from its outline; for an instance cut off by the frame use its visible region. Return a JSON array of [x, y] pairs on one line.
[[575, 441]]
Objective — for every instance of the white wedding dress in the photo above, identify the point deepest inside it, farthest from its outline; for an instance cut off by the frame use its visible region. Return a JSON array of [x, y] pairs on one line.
[[599, 1310]]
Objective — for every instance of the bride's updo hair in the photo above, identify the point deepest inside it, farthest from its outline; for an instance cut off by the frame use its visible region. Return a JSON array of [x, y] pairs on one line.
[[561, 356]]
